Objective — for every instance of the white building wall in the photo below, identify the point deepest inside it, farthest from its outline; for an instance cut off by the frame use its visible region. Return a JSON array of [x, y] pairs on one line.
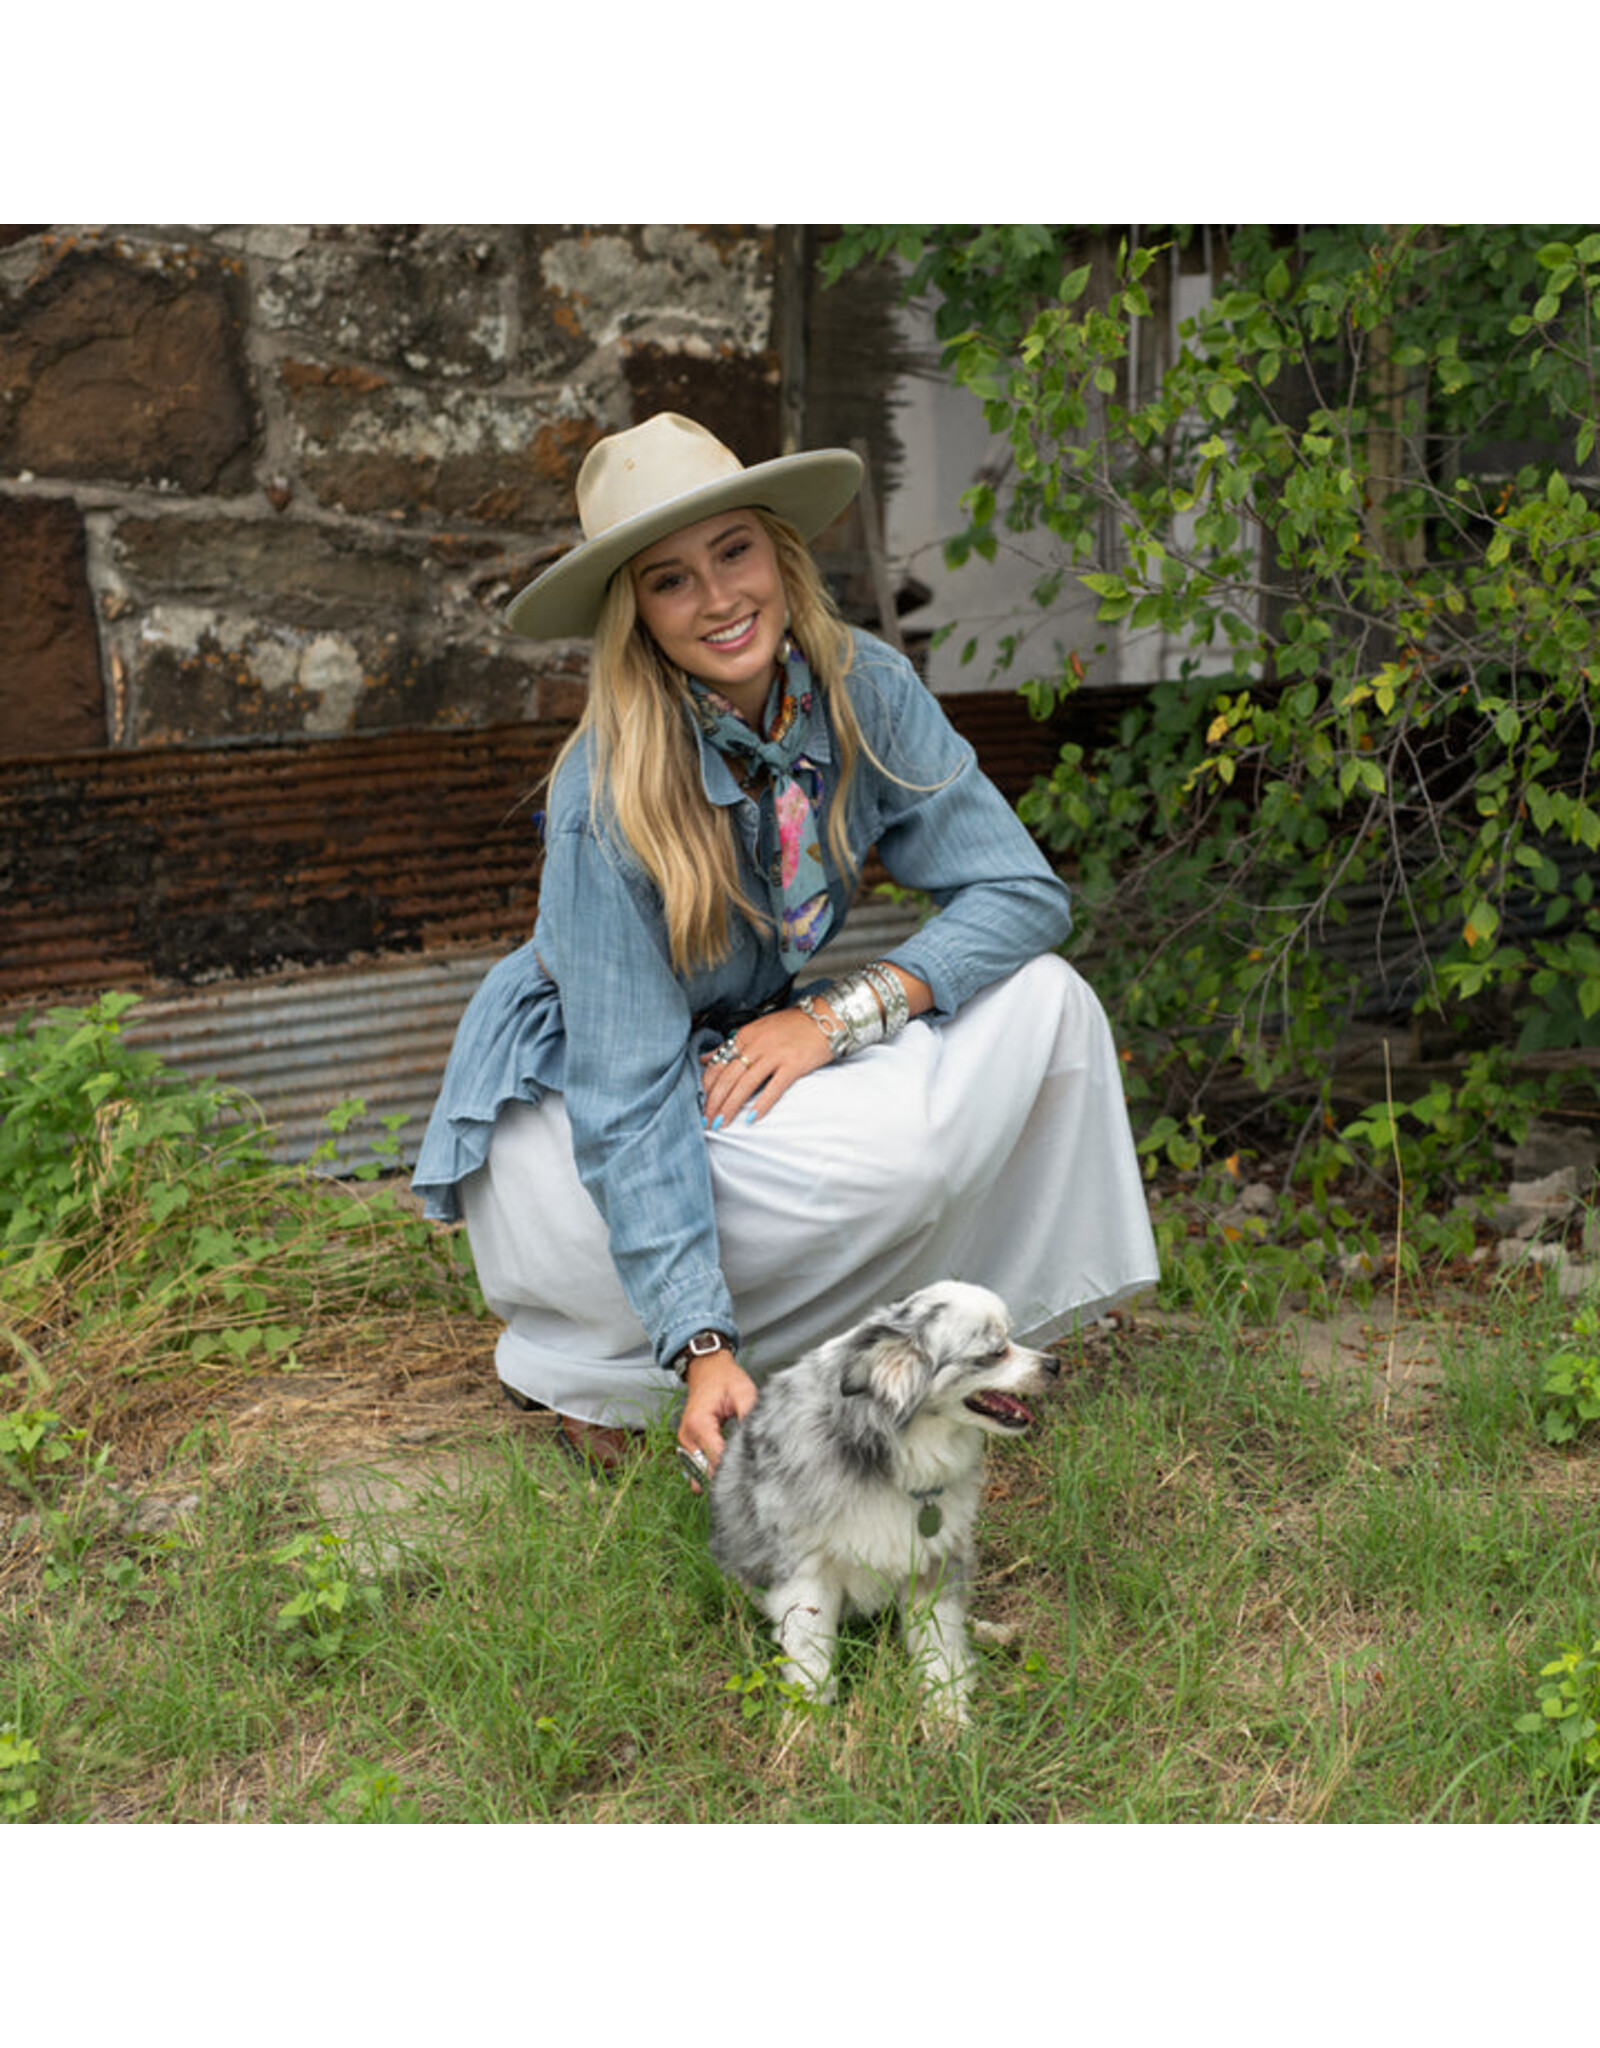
[[948, 448]]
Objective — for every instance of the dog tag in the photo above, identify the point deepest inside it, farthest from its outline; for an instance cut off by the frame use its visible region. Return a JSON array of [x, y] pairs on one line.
[[929, 1520]]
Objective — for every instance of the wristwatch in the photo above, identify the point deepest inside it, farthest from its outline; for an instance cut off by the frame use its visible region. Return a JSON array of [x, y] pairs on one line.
[[700, 1345]]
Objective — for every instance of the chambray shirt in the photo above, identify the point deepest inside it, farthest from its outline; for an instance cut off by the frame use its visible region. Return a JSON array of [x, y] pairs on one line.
[[592, 1007]]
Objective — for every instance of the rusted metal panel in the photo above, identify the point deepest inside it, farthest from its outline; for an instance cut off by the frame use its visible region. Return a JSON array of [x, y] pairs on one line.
[[175, 867], [182, 866], [307, 922], [1014, 747]]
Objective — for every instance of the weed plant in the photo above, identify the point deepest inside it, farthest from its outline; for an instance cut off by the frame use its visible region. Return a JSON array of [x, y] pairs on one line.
[[147, 1225]]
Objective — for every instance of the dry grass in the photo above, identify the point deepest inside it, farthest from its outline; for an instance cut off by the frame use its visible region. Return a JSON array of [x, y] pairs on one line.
[[363, 1384]]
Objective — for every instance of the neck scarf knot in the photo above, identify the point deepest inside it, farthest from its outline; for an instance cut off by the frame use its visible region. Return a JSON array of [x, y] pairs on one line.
[[805, 915]]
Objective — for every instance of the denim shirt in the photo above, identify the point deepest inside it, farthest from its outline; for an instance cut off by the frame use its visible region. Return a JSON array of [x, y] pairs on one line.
[[592, 1006]]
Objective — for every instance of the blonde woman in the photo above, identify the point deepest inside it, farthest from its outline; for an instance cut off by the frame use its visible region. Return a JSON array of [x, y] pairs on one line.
[[682, 1155]]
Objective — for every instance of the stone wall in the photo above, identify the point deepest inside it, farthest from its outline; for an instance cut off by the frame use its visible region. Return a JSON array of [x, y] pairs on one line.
[[277, 482]]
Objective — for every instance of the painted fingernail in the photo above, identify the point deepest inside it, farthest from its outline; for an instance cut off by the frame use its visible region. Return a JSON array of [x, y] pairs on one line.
[[749, 1116], [716, 1123]]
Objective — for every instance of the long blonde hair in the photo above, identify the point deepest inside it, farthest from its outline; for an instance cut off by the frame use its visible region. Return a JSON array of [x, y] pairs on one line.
[[645, 757]]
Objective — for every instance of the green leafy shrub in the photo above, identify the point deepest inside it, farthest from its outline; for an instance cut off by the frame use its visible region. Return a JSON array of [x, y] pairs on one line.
[[764, 1690], [328, 1616], [35, 1444], [379, 1799], [1356, 505]]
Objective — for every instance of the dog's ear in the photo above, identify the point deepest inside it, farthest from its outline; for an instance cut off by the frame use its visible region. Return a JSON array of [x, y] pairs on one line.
[[888, 1364]]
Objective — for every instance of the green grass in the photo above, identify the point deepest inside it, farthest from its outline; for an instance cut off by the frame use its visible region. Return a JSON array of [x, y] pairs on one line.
[[1223, 1593], [1218, 1589]]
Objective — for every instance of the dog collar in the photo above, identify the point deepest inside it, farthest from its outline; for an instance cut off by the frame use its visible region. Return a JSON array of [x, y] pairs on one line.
[[930, 1516]]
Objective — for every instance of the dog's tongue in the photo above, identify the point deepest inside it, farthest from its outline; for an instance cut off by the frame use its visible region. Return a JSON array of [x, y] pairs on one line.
[[1003, 1407]]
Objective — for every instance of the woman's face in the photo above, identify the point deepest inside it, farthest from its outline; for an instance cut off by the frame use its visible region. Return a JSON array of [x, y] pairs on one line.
[[712, 599]]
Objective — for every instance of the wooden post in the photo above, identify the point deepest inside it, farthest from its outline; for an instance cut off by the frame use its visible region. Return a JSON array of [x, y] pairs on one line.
[[791, 288], [877, 560]]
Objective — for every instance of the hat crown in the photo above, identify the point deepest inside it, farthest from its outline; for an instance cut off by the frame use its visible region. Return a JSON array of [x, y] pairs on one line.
[[631, 474], [651, 480]]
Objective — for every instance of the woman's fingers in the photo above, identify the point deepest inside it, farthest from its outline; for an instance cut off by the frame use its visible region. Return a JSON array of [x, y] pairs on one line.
[[720, 1390], [768, 1056]]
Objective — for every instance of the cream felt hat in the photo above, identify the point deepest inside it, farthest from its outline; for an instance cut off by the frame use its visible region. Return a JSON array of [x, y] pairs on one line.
[[638, 485]]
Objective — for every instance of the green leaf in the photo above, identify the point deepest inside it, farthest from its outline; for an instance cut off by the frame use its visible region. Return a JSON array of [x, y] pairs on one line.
[[1481, 923]]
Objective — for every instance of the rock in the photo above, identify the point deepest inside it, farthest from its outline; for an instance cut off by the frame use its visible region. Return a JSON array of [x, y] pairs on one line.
[[1530, 1205], [51, 698], [127, 363], [1517, 1251], [156, 1513], [1550, 1147]]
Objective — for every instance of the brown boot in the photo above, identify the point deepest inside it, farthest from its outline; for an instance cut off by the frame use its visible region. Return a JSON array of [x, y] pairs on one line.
[[591, 1444]]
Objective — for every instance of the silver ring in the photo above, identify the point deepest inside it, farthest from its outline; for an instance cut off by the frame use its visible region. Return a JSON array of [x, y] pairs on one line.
[[695, 1463], [726, 1053]]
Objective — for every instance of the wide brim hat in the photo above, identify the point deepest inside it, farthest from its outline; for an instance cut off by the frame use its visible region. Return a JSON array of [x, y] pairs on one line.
[[636, 486]]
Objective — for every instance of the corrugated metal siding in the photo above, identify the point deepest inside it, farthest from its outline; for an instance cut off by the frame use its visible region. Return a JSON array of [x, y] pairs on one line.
[[301, 1044]]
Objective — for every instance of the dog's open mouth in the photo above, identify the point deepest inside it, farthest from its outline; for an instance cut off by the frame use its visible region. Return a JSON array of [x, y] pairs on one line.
[[1005, 1409]]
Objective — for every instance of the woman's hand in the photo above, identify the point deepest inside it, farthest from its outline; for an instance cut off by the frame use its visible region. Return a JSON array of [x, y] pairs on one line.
[[772, 1053], [720, 1390]]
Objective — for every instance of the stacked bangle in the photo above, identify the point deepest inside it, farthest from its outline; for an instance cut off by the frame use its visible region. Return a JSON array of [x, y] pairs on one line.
[[891, 993], [868, 1006], [836, 1035]]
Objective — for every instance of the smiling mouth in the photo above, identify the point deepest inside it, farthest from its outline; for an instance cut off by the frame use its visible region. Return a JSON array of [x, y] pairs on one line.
[[1002, 1408], [727, 636]]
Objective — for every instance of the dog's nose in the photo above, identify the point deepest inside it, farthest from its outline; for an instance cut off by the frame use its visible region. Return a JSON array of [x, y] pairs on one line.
[[1051, 1364]]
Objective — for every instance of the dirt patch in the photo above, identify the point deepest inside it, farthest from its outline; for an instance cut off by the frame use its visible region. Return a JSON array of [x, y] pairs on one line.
[[1391, 1362], [387, 1384]]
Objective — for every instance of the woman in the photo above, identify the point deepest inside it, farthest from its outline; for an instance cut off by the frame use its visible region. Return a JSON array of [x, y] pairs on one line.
[[681, 1158]]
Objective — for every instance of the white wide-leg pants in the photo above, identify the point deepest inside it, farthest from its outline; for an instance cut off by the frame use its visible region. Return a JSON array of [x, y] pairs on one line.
[[993, 1148]]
